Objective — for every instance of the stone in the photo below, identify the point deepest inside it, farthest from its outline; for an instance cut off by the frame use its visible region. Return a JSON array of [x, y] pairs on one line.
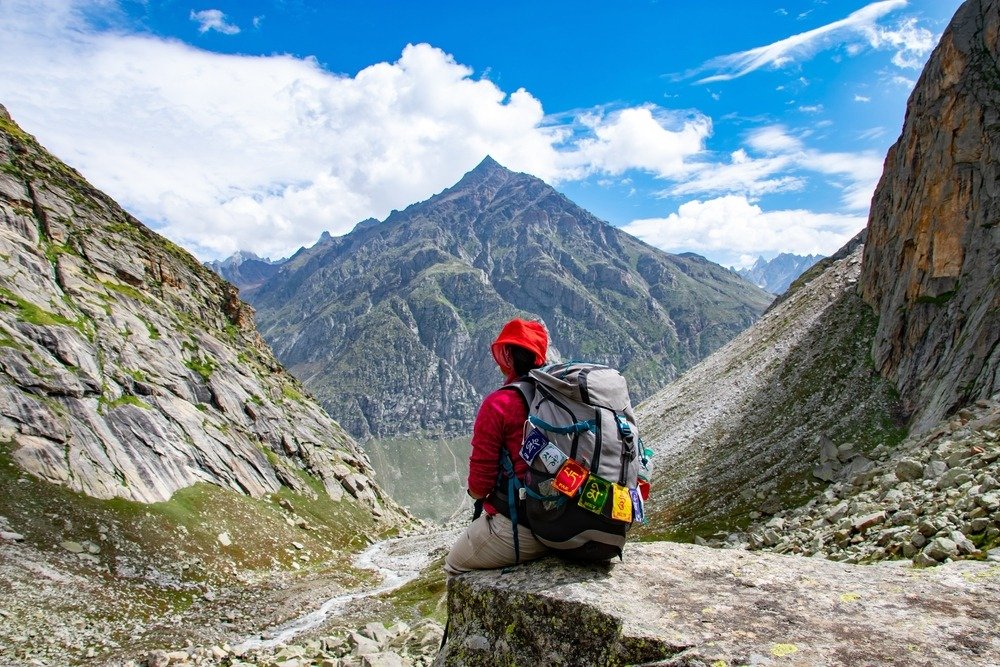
[[941, 548], [224, 539], [909, 470], [157, 659], [361, 645], [72, 547], [653, 604], [862, 523], [8, 536], [934, 469], [386, 659], [953, 478]]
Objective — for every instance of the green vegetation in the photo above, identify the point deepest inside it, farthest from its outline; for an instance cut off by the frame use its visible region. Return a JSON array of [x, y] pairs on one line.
[[125, 399], [203, 366], [154, 333], [289, 391], [33, 314], [938, 300], [128, 291], [424, 597]]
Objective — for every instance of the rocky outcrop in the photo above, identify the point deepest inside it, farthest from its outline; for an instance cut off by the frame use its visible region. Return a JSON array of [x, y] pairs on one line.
[[128, 370], [390, 325], [740, 434], [681, 604], [932, 262]]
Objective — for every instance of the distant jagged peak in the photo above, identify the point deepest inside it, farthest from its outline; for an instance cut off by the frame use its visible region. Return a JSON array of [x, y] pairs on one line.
[[241, 256]]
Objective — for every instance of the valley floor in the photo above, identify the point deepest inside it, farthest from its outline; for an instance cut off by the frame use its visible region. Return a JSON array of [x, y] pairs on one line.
[[57, 609]]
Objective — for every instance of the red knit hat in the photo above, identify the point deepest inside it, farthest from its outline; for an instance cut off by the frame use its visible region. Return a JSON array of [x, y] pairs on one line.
[[528, 334]]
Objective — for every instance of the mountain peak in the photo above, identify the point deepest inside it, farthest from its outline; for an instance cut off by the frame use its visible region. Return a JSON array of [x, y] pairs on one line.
[[486, 171]]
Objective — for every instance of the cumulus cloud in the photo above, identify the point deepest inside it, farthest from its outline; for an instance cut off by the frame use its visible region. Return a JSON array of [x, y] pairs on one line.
[[644, 138], [732, 229], [910, 42], [213, 19], [225, 152]]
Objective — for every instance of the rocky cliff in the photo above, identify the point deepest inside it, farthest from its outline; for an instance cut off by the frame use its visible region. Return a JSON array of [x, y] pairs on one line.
[[390, 325], [932, 263], [131, 371]]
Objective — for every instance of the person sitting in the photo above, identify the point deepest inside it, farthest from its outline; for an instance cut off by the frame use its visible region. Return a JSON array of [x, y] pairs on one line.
[[488, 542]]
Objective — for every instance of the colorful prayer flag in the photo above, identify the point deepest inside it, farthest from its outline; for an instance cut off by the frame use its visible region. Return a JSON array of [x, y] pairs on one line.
[[533, 444], [570, 477], [621, 507], [595, 494], [552, 458], [638, 510]]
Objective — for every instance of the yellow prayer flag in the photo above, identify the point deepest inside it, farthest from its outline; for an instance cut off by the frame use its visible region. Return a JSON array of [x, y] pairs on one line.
[[621, 508]]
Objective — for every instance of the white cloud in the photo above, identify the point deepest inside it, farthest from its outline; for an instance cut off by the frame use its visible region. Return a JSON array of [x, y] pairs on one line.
[[213, 19], [910, 42], [811, 108], [783, 168], [731, 229], [226, 152], [643, 138], [773, 138], [862, 98]]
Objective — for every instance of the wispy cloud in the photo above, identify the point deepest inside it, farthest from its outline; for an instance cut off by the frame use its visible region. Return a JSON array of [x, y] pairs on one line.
[[213, 19], [731, 227], [785, 165], [910, 41]]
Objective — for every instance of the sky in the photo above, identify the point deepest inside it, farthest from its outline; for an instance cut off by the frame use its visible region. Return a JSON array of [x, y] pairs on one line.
[[731, 129]]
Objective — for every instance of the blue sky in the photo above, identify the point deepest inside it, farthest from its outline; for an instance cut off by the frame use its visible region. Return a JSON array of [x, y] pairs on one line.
[[731, 129]]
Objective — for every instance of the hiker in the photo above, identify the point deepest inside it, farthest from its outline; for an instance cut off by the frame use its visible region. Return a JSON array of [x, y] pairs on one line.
[[489, 541]]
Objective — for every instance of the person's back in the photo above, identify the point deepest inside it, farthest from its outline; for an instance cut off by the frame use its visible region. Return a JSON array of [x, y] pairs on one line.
[[490, 541]]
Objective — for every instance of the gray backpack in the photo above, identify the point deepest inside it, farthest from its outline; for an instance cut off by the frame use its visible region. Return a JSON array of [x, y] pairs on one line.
[[584, 455]]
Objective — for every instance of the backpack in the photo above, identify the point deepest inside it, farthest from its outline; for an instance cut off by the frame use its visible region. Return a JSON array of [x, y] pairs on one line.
[[581, 493]]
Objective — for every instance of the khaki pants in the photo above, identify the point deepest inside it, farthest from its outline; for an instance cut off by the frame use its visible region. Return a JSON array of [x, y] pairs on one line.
[[488, 543]]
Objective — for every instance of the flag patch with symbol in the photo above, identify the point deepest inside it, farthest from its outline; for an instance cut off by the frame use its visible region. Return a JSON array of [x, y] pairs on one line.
[[533, 444], [595, 494], [638, 515], [621, 503], [552, 458], [570, 477]]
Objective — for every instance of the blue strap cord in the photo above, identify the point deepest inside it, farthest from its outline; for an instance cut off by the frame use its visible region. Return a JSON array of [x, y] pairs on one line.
[[578, 427]]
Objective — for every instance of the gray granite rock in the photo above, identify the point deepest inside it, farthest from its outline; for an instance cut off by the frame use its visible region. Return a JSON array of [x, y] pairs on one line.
[[689, 605]]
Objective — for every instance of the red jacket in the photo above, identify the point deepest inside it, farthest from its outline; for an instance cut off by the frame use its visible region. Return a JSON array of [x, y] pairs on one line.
[[499, 422]]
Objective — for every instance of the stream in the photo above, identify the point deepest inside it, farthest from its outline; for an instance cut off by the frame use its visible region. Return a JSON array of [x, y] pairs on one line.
[[398, 561]]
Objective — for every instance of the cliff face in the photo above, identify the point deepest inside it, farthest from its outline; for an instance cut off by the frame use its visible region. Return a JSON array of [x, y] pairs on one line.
[[932, 262], [390, 325], [129, 370]]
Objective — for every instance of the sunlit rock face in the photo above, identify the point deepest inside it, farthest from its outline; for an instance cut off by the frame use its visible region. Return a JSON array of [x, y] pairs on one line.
[[932, 262], [129, 370]]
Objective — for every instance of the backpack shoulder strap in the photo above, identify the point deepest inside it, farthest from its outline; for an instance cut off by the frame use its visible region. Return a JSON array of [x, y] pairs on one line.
[[525, 387]]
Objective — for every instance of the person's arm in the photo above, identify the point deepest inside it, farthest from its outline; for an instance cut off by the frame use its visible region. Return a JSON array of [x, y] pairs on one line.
[[487, 439]]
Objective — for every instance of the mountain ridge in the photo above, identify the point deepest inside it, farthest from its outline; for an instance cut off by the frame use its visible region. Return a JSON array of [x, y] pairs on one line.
[[495, 245]]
